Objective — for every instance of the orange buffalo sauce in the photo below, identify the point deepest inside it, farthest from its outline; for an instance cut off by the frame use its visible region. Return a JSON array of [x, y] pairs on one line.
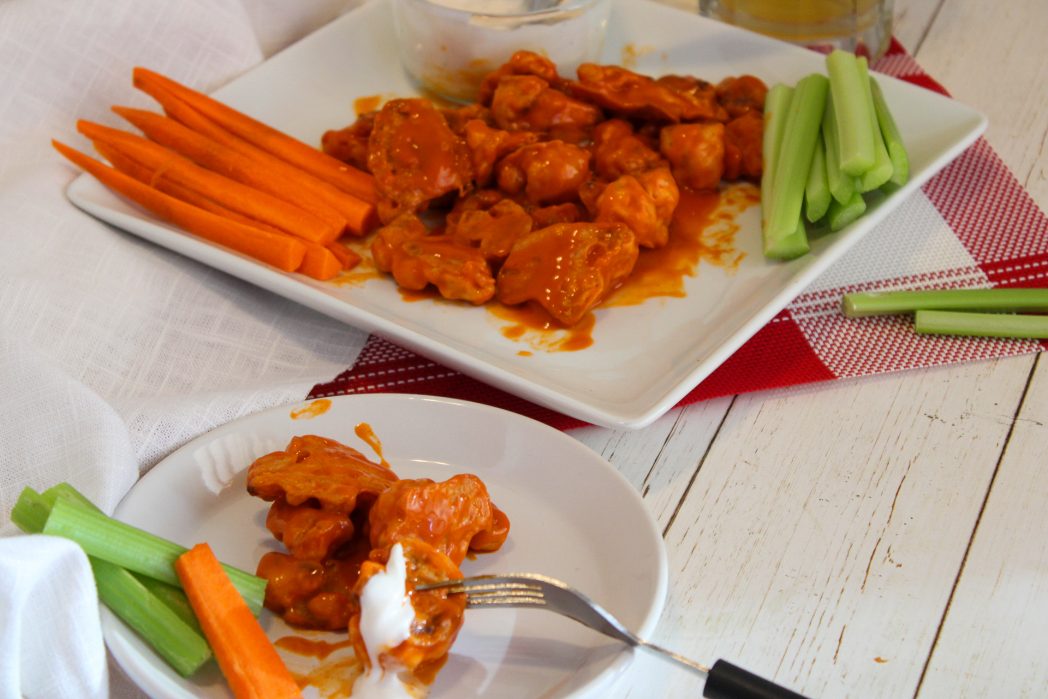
[[368, 103], [367, 435], [311, 647], [311, 410], [703, 230], [530, 323]]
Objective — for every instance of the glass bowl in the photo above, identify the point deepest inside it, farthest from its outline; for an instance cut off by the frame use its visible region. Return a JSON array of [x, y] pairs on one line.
[[448, 46]]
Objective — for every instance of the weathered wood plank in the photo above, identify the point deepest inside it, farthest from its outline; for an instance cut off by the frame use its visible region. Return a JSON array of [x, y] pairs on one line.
[[993, 636], [822, 535], [996, 630], [661, 460]]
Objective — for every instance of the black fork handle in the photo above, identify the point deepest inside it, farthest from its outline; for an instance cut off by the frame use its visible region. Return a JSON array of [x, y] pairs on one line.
[[727, 681]]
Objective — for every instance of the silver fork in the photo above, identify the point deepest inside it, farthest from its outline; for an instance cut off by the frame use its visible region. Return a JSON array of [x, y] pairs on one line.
[[723, 680]]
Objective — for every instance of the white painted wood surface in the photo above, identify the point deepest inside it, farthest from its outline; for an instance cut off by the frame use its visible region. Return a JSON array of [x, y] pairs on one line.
[[881, 537]]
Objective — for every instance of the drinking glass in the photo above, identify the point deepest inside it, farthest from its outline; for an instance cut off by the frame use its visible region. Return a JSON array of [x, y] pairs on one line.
[[863, 27]]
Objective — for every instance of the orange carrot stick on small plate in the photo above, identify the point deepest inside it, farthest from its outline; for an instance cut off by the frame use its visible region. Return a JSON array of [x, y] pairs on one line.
[[247, 658]]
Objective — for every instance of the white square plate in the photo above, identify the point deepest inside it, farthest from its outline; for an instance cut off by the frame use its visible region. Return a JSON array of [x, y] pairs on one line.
[[644, 358]]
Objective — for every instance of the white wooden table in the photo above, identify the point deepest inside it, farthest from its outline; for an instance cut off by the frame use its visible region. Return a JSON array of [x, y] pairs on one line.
[[881, 537]]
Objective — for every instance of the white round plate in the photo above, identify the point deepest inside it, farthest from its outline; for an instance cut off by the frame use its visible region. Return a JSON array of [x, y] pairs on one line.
[[573, 517]]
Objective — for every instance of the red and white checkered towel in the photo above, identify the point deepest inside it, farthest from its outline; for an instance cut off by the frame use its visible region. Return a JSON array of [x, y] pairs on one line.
[[972, 225]]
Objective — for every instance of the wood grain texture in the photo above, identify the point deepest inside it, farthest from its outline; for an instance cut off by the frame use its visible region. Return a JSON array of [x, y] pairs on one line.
[[812, 548], [989, 56], [662, 460], [994, 634], [993, 640]]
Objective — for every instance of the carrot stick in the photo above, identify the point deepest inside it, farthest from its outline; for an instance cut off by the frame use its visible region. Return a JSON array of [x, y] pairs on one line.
[[346, 257], [247, 658], [135, 169], [201, 140], [299, 154], [282, 251], [320, 263], [146, 176], [189, 117], [229, 193]]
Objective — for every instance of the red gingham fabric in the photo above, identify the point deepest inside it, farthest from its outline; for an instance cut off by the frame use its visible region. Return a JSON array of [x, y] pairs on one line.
[[985, 230]]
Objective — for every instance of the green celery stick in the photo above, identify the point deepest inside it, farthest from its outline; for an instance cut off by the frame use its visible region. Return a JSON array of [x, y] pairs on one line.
[[892, 138], [881, 170], [776, 104], [842, 186], [174, 598], [803, 119], [182, 647], [981, 324], [30, 511], [853, 114], [65, 490], [174, 638], [170, 595], [840, 215], [817, 191], [873, 303], [135, 549]]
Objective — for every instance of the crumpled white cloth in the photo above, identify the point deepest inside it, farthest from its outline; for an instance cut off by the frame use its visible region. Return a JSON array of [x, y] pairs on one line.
[[39, 574], [114, 352]]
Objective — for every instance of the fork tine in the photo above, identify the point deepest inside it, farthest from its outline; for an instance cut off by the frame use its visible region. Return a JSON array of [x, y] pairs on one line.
[[537, 591], [499, 592], [500, 601]]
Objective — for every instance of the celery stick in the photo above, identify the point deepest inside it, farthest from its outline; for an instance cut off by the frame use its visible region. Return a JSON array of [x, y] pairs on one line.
[[891, 302], [153, 616], [177, 643], [776, 104], [135, 549], [854, 116], [172, 597], [781, 239], [30, 511], [842, 186], [892, 138], [981, 324], [881, 170], [65, 490], [817, 191], [840, 215]]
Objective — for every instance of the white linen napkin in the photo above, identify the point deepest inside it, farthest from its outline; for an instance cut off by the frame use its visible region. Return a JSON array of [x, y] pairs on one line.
[[49, 623], [114, 352]]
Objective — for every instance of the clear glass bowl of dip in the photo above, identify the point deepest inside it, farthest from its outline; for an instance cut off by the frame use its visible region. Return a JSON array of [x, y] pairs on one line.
[[448, 46]]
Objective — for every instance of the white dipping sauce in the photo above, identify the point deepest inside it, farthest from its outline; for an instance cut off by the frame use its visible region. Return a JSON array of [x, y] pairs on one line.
[[447, 46], [386, 615]]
